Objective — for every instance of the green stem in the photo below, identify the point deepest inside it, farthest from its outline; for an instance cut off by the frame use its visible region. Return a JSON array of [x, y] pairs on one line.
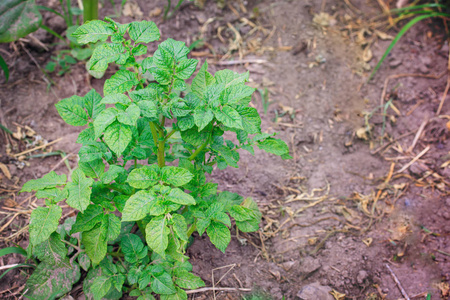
[[154, 133], [161, 150], [166, 11], [69, 13], [191, 230], [73, 246], [115, 254], [170, 134], [199, 149], [90, 10]]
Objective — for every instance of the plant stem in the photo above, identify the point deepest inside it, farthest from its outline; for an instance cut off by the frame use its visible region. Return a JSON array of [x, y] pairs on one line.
[[115, 254], [161, 150], [73, 246], [166, 11], [191, 230], [69, 14], [199, 149], [90, 10], [154, 133], [170, 134]]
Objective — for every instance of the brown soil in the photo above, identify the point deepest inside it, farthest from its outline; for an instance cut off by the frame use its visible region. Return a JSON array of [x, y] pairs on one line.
[[332, 215]]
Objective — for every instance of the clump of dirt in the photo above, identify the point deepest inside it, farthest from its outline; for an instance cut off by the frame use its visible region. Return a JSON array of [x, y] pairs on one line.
[[367, 185]]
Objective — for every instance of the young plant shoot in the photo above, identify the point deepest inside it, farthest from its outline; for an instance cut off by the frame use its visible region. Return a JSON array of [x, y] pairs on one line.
[[140, 187]]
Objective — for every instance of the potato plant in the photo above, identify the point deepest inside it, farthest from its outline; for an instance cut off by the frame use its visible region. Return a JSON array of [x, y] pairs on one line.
[[140, 186]]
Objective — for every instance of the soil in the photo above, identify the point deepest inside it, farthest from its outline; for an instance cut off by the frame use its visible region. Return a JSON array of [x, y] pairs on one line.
[[347, 205]]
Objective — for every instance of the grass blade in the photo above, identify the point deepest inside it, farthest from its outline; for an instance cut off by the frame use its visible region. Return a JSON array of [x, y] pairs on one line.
[[17, 266], [40, 7], [4, 67], [11, 250], [409, 8], [401, 33]]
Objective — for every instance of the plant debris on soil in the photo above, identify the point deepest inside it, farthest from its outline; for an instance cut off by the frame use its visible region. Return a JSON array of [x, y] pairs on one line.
[[362, 211]]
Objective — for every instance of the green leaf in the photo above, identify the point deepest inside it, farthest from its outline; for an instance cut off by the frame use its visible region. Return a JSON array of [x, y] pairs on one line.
[[113, 224], [138, 206], [230, 78], [84, 261], [240, 213], [251, 121], [195, 138], [275, 146], [86, 136], [117, 137], [202, 117], [72, 112], [163, 77], [122, 81], [79, 190], [148, 93], [144, 177], [94, 169], [178, 196], [234, 93], [52, 251], [201, 81], [229, 117], [116, 98], [185, 68], [251, 224], [104, 119], [148, 109], [100, 287], [180, 226], [227, 154], [113, 172], [4, 67], [92, 102], [92, 32], [176, 49], [157, 236], [163, 284], [179, 295], [139, 50], [90, 152], [52, 280], [175, 175], [222, 218], [95, 243], [185, 123], [187, 280], [43, 222], [88, 219], [49, 180], [130, 115], [133, 248], [144, 32], [18, 18], [103, 55], [219, 234]]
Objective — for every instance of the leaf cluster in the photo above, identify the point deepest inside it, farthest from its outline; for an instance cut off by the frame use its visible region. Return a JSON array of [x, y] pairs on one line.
[[137, 213]]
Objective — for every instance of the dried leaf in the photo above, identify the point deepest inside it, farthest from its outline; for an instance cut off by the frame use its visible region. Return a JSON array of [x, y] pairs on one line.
[[155, 12], [368, 241], [132, 9], [383, 36], [5, 170], [10, 203], [367, 54], [324, 19], [337, 295], [362, 133]]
